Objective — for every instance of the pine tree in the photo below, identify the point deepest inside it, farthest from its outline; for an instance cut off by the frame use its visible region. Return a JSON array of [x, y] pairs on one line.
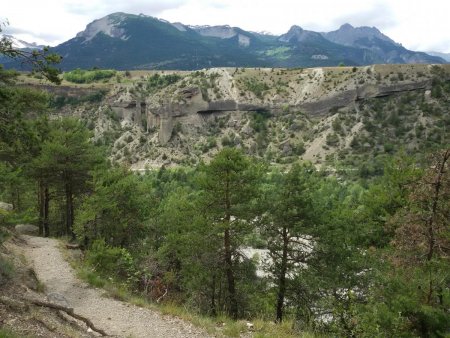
[[68, 157], [230, 185], [290, 219]]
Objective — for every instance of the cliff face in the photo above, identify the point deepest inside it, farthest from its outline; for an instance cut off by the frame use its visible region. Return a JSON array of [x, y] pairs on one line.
[[313, 91], [150, 119]]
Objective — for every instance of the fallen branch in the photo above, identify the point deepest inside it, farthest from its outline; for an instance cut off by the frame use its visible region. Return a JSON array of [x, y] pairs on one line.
[[72, 246], [70, 320], [165, 293], [70, 312]]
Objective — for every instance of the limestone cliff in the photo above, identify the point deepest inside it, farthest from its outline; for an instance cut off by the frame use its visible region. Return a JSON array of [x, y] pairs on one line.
[[320, 114], [313, 91]]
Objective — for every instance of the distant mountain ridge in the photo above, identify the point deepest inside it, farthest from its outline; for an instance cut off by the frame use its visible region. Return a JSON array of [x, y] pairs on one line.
[[128, 41], [445, 56], [21, 44]]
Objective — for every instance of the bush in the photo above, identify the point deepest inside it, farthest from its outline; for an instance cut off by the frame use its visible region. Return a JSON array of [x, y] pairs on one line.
[[256, 87], [88, 76], [156, 81], [59, 101], [332, 139], [388, 148], [110, 261], [258, 121], [228, 141]]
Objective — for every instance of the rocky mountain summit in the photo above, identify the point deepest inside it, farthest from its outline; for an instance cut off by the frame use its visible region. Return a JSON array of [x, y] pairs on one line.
[[384, 49], [348, 35]]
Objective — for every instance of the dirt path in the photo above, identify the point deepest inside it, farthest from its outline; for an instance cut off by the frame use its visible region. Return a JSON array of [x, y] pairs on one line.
[[115, 317]]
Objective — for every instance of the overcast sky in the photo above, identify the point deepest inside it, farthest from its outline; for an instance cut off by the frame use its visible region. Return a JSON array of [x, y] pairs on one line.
[[417, 24]]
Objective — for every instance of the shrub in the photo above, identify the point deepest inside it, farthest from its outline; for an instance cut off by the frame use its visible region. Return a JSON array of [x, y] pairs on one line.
[[388, 148], [332, 139], [88, 76], [110, 261], [256, 87], [157, 81], [258, 121], [60, 101]]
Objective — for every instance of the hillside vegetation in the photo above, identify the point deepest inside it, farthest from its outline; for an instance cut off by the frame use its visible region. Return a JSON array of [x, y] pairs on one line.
[[317, 199]]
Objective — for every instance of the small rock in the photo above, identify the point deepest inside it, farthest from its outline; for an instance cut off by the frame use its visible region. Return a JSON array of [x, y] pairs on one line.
[[27, 229], [58, 299], [6, 206]]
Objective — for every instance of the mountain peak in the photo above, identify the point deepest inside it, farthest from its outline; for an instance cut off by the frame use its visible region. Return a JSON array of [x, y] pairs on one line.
[[348, 35], [223, 31], [107, 25], [298, 34], [346, 26], [295, 28]]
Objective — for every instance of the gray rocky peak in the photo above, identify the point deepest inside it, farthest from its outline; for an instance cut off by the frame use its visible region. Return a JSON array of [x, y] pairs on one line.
[[107, 25], [349, 36], [298, 34]]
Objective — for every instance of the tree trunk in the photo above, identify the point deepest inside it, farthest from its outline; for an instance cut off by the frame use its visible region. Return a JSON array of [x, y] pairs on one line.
[[282, 277], [69, 210], [15, 198], [437, 187], [213, 295], [46, 203], [430, 224], [41, 207], [228, 254], [230, 275]]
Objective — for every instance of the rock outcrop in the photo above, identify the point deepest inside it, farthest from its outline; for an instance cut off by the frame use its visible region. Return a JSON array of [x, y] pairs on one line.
[[312, 91], [27, 229], [6, 206]]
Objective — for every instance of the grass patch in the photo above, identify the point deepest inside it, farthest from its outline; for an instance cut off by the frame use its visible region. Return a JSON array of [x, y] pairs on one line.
[[6, 270], [281, 53], [7, 333], [90, 277]]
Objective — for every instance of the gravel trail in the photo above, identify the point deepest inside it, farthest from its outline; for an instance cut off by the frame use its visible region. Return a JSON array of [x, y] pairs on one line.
[[115, 317]]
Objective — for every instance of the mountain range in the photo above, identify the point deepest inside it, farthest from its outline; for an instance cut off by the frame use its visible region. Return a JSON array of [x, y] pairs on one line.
[[127, 41], [21, 44]]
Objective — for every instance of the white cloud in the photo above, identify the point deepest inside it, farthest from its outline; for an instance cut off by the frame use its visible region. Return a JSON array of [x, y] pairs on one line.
[[416, 24]]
